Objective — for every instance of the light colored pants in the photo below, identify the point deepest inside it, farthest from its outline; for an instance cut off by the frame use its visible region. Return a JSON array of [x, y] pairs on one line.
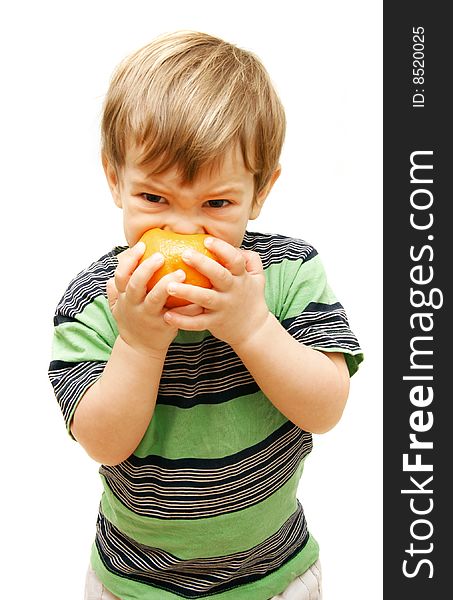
[[305, 587], [94, 589]]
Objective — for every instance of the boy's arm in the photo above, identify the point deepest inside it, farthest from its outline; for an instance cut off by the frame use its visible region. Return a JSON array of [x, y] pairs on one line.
[[308, 386], [114, 413]]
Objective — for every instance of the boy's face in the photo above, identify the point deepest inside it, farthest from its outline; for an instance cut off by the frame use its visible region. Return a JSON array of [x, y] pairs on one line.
[[218, 203]]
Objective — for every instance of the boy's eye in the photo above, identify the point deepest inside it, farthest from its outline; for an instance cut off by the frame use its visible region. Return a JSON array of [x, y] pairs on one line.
[[153, 198], [217, 203]]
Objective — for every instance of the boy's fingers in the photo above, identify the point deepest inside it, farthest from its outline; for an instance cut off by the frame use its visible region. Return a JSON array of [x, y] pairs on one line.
[[198, 323], [159, 294], [112, 293], [218, 275], [127, 262], [231, 257], [191, 310], [136, 288], [253, 262], [194, 294]]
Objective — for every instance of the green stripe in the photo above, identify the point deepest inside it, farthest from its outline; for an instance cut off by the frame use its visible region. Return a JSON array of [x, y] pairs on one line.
[[90, 338], [264, 588], [216, 536], [210, 430], [353, 361], [191, 337], [292, 284]]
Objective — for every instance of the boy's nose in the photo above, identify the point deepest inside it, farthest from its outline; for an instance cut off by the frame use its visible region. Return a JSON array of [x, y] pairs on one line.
[[184, 227]]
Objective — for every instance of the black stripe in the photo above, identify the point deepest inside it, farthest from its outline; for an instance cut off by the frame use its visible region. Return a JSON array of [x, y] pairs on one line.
[[206, 372], [59, 319], [323, 325], [211, 463], [274, 248], [208, 397], [87, 285], [197, 488], [71, 380], [57, 365], [322, 307], [199, 578]]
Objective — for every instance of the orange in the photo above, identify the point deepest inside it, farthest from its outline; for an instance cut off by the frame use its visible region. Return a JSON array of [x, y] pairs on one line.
[[172, 245]]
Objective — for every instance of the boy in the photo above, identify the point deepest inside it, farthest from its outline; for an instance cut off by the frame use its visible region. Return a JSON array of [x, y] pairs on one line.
[[201, 416]]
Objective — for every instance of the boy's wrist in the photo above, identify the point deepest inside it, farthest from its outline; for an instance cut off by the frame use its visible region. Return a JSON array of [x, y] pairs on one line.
[[259, 337], [136, 352]]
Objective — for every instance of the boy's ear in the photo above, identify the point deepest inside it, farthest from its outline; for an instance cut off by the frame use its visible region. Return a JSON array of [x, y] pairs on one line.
[[261, 197], [112, 180]]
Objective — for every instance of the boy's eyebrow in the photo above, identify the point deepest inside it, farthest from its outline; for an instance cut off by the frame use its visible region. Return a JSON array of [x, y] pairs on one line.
[[228, 189], [215, 191]]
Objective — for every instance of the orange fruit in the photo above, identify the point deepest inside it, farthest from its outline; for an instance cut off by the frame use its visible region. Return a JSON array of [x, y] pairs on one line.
[[172, 245]]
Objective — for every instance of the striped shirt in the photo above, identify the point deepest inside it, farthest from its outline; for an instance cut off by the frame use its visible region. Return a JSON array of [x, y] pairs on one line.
[[207, 504]]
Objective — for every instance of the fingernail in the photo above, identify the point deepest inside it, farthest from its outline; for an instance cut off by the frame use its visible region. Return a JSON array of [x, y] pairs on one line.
[[187, 255], [208, 242], [140, 247], [158, 257], [181, 274]]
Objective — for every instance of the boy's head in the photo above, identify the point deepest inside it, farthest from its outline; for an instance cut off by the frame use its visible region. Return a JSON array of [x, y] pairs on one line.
[[184, 102]]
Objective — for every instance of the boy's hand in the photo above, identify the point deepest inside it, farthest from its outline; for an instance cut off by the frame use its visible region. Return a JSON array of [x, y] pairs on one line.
[[235, 307], [139, 313]]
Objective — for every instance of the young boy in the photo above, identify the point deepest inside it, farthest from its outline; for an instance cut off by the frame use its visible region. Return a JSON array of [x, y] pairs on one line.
[[201, 416]]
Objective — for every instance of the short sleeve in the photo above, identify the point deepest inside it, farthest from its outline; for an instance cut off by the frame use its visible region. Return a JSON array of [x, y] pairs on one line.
[[84, 334], [299, 295]]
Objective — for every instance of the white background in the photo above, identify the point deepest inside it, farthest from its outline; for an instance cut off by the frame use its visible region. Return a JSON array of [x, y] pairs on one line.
[[57, 216]]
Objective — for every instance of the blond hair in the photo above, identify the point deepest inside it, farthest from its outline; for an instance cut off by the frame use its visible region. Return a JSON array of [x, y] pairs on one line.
[[184, 99]]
